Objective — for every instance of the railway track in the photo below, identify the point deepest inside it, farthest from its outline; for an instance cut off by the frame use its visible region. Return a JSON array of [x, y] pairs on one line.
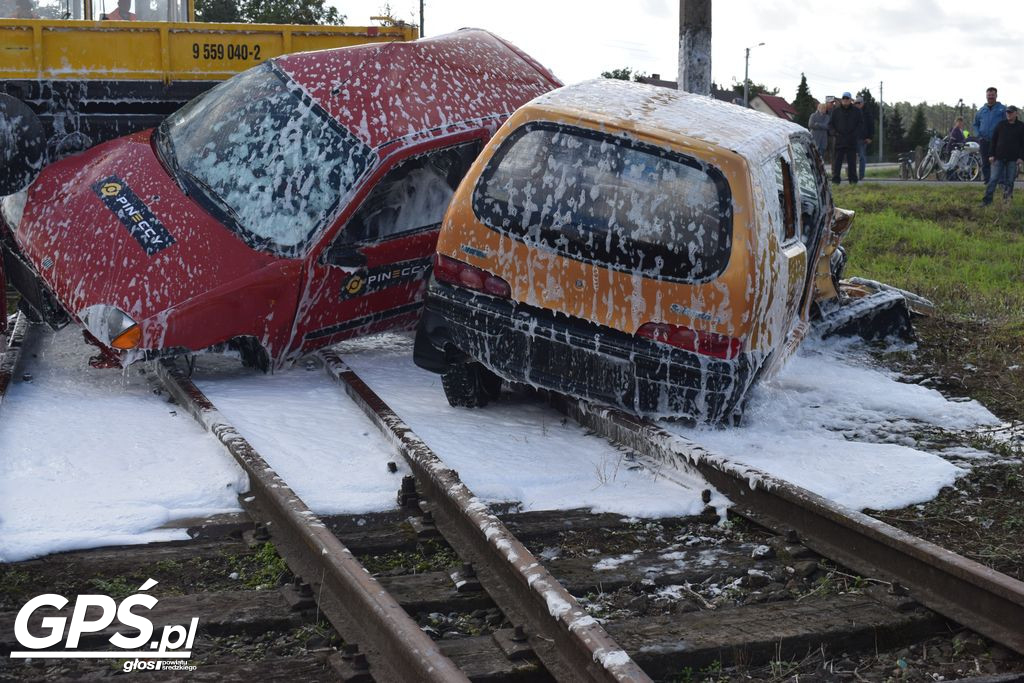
[[665, 590]]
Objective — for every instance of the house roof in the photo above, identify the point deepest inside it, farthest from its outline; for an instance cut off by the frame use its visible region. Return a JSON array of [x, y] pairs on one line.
[[779, 106]]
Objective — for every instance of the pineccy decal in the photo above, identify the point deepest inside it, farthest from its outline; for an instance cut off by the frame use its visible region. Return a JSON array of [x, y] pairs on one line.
[[382, 277], [150, 233]]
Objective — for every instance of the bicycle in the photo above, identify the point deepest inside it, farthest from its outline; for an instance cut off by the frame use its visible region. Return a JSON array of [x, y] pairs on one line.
[[964, 162]]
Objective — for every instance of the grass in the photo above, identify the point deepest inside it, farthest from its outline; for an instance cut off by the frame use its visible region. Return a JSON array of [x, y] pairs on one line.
[[940, 243]]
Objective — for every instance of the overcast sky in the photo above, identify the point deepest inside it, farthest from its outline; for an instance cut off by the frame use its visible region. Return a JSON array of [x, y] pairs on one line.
[[923, 50]]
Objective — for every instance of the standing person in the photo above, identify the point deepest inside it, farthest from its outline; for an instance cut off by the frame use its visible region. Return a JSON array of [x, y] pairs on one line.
[[818, 125], [956, 133], [864, 135], [985, 122], [1007, 147], [846, 123], [123, 12], [830, 152]]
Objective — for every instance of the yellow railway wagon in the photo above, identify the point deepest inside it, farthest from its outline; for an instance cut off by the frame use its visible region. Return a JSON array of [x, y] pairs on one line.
[[91, 77]]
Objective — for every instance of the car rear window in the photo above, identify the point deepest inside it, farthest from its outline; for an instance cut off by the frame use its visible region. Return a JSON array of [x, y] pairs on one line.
[[609, 200]]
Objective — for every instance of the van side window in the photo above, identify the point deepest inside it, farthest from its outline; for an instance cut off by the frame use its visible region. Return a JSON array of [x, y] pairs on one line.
[[413, 196], [787, 199], [809, 183]]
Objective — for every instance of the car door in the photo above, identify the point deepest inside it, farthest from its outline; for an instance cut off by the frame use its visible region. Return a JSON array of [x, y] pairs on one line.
[[372, 276], [794, 252], [814, 204]]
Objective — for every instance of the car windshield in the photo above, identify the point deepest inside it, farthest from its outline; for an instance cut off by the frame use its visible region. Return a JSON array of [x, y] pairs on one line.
[[609, 200], [263, 158]]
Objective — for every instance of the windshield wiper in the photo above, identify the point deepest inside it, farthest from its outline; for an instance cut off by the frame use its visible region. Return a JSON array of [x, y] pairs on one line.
[[211, 195]]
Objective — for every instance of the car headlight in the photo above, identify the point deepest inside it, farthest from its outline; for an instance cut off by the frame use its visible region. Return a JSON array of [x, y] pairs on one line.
[[13, 207], [111, 326]]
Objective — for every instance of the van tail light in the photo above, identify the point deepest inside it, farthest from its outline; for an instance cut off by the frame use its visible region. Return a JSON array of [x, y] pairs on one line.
[[455, 272], [704, 343]]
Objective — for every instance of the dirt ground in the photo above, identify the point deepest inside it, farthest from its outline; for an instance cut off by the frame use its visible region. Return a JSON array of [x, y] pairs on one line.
[[982, 516]]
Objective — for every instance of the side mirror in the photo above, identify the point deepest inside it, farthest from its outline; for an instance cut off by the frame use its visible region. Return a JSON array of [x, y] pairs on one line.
[[22, 145], [346, 256]]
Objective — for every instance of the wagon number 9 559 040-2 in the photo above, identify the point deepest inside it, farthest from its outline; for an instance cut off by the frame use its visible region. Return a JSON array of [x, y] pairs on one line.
[[220, 51]]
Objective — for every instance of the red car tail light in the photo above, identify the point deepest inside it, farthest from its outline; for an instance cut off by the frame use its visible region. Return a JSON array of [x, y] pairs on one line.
[[704, 343], [455, 272]]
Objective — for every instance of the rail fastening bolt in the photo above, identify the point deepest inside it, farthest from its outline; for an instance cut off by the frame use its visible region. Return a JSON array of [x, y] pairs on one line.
[[467, 569], [349, 650], [359, 661], [428, 516], [518, 634], [392, 467], [705, 496]]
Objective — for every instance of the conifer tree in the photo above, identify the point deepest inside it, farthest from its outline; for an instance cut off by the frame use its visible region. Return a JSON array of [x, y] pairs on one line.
[[803, 103]]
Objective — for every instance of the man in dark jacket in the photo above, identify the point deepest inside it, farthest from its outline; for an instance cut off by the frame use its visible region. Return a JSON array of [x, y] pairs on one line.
[[1007, 147], [846, 123], [864, 135]]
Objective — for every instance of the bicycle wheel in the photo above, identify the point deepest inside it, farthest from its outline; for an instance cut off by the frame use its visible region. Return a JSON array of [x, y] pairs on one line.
[[926, 167], [973, 169]]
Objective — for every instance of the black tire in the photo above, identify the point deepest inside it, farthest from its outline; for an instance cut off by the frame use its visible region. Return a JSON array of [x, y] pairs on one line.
[[22, 145], [470, 385], [252, 353]]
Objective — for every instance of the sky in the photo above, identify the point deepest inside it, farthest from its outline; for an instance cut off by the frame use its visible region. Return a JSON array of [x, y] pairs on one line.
[[922, 50]]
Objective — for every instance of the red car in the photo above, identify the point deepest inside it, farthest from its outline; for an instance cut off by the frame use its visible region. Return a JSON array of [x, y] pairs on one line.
[[291, 207]]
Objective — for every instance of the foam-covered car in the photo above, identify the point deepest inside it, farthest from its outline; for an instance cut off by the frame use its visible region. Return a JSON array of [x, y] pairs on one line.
[[636, 246], [290, 207]]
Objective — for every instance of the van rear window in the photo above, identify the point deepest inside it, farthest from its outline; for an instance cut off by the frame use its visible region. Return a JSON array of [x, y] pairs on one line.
[[609, 200]]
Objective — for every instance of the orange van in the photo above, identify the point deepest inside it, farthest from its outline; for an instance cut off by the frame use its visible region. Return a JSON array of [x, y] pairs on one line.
[[636, 246]]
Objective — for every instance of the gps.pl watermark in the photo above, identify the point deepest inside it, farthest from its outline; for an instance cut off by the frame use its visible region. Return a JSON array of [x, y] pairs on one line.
[[168, 653]]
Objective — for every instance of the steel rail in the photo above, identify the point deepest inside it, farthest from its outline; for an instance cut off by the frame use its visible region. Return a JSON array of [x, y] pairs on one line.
[[357, 605], [570, 643], [963, 590], [12, 352]]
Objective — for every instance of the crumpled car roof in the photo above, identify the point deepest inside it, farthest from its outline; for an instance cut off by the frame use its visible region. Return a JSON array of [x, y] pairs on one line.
[[386, 92]]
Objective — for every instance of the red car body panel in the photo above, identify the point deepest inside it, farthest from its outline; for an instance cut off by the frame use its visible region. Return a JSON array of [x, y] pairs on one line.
[[209, 286]]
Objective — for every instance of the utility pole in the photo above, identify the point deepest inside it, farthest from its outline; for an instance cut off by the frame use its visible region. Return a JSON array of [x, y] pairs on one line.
[[881, 128], [746, 75], [421, 18], [695, 46]]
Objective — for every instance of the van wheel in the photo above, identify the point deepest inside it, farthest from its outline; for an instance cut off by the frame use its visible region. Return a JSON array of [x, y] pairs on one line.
[[470, 385]]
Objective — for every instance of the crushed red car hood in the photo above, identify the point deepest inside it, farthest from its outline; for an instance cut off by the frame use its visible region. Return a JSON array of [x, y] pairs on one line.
[[162, 250]]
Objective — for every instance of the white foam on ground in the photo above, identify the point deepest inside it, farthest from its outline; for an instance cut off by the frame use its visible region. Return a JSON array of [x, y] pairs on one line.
[[92, 457], [516, 450], [833, 423], [310, 432]]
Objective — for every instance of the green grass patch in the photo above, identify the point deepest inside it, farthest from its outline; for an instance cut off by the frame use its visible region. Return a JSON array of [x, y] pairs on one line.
[[939, 242]]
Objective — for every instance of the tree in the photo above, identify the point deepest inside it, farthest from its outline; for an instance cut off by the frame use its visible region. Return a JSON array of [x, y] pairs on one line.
[[894, 139], [286, 12], [755, 89], [624, 74], [917, 134], [803, 103], [222, 11]]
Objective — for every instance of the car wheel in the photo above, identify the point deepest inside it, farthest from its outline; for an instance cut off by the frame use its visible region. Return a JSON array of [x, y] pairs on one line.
[[252, 353], [470, 385]]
